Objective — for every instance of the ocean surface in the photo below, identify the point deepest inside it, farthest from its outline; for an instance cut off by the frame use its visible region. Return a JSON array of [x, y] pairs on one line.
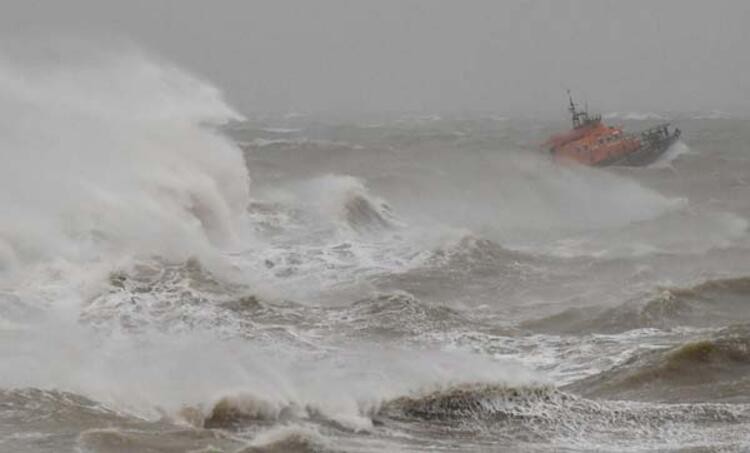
[[175, 277]]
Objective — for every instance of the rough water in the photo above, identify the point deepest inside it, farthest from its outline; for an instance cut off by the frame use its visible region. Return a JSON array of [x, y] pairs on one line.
[[175, 277]]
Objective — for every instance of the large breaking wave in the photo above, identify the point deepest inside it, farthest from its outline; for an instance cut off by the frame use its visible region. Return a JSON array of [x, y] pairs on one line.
[[114, 155]]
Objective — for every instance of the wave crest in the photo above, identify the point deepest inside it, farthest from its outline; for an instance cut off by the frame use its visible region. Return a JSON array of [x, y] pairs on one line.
[[712, 303], [710, 369], [466, 402], [291, 439]]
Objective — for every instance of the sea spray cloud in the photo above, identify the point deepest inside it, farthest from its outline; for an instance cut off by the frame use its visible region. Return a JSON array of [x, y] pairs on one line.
[[110, 153]]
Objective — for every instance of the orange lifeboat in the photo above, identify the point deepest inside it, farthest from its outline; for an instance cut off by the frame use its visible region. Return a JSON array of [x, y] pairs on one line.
[[591, 142]]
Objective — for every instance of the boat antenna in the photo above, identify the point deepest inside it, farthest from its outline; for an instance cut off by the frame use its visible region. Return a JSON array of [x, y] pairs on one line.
[[573, 113]]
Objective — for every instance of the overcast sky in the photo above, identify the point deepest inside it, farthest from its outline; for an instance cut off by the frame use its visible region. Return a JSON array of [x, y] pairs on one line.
[[428, 55]]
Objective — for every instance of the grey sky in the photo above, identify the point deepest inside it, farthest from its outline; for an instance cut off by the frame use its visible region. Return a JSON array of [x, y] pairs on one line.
[[429, 55]]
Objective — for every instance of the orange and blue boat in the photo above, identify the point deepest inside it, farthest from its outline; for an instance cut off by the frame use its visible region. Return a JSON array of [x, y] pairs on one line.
[[591, 142]]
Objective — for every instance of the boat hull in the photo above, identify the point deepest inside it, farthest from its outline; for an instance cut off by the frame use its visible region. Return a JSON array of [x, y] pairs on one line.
[[647, 154]]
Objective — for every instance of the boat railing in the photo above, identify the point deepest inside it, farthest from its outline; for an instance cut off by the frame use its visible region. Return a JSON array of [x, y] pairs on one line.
[[658, 132]]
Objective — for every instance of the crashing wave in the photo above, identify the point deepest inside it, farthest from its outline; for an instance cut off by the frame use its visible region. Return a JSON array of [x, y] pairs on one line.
[[709, 369], [246, 409], [364, 216], [512, 417], [172, 296], [149, 174], [398, 315], [289, 439], [709, 304], [676, 150], [468, 402]]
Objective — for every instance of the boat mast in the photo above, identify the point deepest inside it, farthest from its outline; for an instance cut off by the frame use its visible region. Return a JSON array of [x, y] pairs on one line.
[[580, 118], [575, 115]]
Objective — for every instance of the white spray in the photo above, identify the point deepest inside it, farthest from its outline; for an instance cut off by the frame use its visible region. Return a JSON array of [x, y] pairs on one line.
[[113, 154]]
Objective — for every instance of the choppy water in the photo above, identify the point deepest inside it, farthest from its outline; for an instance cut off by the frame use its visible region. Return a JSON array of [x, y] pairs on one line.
[[178, 278]]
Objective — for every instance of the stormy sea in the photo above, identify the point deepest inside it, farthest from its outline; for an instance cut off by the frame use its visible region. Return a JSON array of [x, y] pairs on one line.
[[177, 277]]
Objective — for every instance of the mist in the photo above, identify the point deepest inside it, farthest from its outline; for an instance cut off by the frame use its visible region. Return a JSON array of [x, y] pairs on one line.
[[427, 56]]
